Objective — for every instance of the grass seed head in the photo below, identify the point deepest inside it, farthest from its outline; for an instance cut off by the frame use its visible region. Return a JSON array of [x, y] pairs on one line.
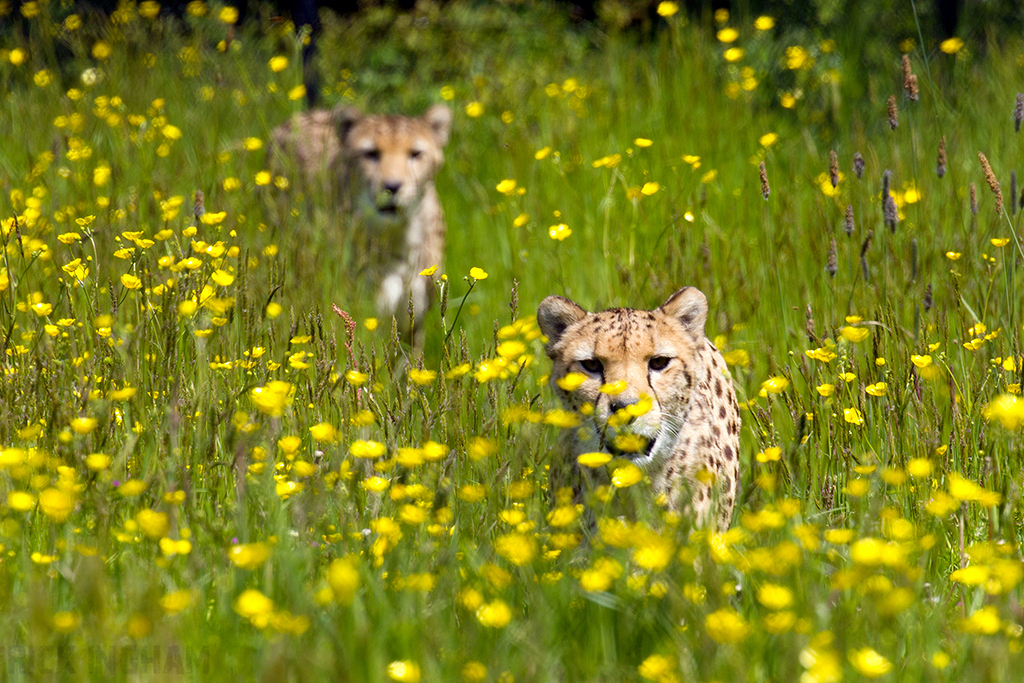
[[909, 80], [833, 168], [858, 164], [1018, 112], [940, 167], [848, 223], [928, 301], [765, 189], [833, 264], [1013, 192], [894, 117], [993, 184], [974, 200]]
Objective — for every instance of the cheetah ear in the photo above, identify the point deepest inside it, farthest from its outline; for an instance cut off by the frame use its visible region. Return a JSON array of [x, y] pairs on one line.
[[439, 118], [690, 307], [555, 314], [345, 118]]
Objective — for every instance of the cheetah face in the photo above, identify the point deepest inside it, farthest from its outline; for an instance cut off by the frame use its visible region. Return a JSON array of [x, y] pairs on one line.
[[631, 372], [393, 159]]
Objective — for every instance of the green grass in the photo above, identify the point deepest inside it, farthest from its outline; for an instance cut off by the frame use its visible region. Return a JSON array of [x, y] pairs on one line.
[[451, 552]]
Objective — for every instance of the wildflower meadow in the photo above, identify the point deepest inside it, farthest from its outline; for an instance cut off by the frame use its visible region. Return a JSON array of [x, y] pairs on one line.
[[218, 463]]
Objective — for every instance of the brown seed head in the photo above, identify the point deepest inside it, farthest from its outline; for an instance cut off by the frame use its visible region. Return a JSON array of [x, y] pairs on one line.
[[912, 93], [928, 301], [858, 164], [833, 261], [974, 200], [909, 80], [940, 167], [848, 223], [833, 168], [894, 118], [993, 184], [765, 190], [199, 208], [1018, 112]]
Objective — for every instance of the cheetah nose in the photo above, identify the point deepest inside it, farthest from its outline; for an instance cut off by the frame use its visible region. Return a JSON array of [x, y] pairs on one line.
[[618, 404], [393, 186]]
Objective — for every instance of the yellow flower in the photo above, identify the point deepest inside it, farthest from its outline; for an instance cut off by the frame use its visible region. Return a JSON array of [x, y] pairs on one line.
[[20, 501], [66, 622], [877, 389], [154, 524], [870, 663], [249, 555], [626, 476], [130, 281], [273, 398], [252, 604], [1000, 242], [594, 459], [951, 46], [480, 448], [297, 93], [921, 361], [853, 416], [649, 188], [768, 139], [519, 549], [367, 449], [477, 273], [422, 377], [657, 668], [1008, 409], [643, 142], [855, 334], [132, 487], [474, 110], [506, 187], [919, 467], [667, 9], [228, 15], [177, 601], [559, 232], [764, 23], [324, 432], [734, 54], [343, 577], [726, 626], [770, 454], [56, 504], [278, 63], [84, 425], [774, 385], [774, 596], [953, 255], [356, 378], [494, 614], [652, 551], [728, 35], [404, 672], [985, 621], [100, 50], [826, 390]]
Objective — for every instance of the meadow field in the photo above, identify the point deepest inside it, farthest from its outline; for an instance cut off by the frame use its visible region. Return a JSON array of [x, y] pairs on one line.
[[216, 463]]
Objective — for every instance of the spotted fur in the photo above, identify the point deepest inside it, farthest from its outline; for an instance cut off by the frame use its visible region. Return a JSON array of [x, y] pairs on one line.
[[381, 170], [693, 424]]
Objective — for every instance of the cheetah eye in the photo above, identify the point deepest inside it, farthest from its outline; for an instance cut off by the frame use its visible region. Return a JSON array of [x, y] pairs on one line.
[[592, 365], [659, 363], [372, 155], [415, 154]]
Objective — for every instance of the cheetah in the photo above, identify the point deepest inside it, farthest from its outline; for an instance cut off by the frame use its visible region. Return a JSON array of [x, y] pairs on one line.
[[380, 170], [673, 390]]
